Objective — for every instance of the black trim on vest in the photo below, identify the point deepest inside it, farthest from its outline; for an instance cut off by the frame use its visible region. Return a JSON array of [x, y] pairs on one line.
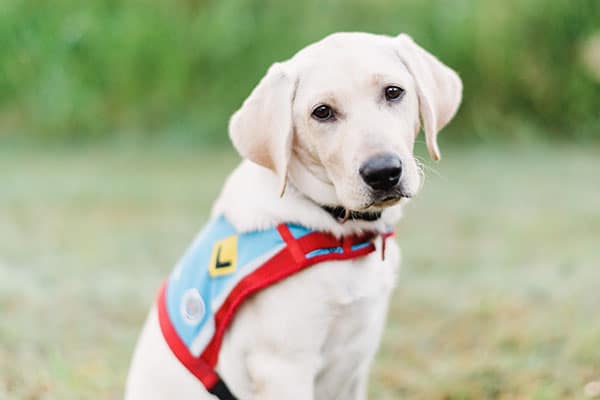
[[222, 391]]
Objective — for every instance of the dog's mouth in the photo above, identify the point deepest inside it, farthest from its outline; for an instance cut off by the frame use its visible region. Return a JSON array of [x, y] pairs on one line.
[[371, 212], [388, 199]]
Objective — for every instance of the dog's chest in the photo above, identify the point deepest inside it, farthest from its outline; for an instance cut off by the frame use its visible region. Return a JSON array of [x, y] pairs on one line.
[[328, 318], [358, 306]]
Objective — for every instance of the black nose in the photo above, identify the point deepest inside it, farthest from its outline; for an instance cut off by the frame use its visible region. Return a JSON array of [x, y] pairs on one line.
[[381, 172]]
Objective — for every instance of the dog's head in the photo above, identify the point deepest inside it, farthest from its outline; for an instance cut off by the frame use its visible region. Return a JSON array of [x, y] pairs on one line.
[[340, 118]]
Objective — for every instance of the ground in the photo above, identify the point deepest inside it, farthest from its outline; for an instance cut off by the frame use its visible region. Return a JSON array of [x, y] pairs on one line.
[[498, 296]]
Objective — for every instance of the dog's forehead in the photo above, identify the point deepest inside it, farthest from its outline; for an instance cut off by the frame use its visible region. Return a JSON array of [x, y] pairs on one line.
[[344, 41], [349, 61], [346, 51]]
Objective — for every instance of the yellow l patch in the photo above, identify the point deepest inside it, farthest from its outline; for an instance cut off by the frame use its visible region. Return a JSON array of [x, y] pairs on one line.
[[224, 257]]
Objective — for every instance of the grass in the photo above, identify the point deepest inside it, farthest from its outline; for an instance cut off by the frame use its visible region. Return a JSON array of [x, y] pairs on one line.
[[100, 70], [498, 298]]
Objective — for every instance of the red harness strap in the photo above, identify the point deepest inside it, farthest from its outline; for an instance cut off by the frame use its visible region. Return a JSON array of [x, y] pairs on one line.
[[290, 260]]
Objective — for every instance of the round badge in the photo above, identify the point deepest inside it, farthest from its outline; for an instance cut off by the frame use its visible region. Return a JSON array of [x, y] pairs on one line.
[[192, 307]]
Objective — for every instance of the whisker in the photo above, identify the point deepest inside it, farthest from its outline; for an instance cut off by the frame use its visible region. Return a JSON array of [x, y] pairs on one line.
[[421, 172], [423, 166]]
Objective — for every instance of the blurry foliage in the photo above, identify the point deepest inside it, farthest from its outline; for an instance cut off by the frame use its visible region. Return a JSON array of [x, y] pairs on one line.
[[75, 70]]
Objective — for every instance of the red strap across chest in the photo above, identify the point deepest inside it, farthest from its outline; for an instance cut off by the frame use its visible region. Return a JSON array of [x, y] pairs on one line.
[[290, 260]]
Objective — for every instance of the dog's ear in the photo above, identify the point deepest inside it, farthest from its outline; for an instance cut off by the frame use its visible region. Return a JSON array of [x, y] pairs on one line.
[[439, 89], [262, 129]]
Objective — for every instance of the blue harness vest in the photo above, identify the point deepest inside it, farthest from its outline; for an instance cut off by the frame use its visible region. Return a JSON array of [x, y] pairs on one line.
[[221, 269]]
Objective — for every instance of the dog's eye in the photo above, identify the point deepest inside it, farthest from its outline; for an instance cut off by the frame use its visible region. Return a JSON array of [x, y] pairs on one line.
[[322, 113], [393, 93]]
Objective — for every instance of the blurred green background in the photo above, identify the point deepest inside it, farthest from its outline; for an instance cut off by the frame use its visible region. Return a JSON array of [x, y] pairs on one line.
[[113, 146], [74, 70]]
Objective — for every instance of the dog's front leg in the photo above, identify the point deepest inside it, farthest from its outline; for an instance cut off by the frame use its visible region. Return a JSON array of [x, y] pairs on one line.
[[277, 376], [357, 386]]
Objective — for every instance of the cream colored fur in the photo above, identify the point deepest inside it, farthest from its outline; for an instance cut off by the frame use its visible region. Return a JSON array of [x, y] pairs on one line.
[[314, 335]]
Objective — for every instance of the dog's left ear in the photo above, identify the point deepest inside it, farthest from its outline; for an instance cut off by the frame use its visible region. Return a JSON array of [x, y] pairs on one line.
[[262, 129], [439, 89]]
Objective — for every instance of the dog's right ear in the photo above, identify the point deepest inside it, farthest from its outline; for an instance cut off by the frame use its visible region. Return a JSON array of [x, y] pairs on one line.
[[439, 89], [262, 129]]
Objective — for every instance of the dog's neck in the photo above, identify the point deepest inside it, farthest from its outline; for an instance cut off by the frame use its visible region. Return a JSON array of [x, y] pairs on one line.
[[250, 201], [343, 215]]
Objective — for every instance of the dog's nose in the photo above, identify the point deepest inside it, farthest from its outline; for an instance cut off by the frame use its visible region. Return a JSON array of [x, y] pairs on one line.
[[381, 172]]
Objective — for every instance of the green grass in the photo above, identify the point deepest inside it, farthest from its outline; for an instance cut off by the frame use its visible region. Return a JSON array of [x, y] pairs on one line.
[[498, 298], [96, 70]]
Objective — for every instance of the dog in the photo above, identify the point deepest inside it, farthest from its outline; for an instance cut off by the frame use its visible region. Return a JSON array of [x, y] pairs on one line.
[[327, 140]]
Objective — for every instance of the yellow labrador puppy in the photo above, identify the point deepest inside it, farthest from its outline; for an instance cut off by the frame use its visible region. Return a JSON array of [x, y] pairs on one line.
[[327, 137]]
